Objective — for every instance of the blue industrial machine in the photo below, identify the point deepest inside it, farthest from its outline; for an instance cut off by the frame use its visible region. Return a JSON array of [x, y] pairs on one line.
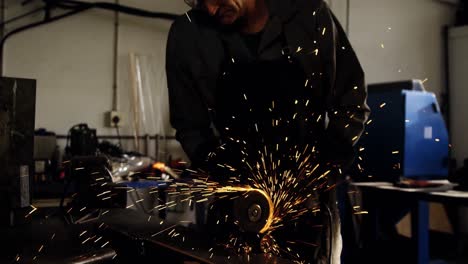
[[406, 135]]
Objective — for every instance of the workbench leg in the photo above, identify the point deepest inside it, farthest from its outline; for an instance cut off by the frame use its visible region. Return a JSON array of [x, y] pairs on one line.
[[420, 230]]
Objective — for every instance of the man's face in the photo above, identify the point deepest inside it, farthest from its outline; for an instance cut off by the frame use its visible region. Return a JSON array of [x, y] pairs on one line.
[[225, 11]]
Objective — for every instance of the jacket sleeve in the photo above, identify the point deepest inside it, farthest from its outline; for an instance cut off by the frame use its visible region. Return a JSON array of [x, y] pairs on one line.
[[347, 109], [188, 112]]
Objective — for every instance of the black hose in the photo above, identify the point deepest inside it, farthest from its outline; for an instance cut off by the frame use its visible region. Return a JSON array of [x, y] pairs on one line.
[[121, 8], [36, 24], [13, 19], [78, 7], [118, 136]]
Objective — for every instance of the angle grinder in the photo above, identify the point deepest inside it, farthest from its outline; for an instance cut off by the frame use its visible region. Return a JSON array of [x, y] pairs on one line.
[[241, 209]]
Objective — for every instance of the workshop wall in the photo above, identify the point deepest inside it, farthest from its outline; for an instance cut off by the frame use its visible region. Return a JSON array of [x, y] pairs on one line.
[[400, 39], [72, 60]]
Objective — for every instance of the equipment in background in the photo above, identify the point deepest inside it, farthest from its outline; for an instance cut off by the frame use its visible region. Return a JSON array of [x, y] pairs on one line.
[[45, 156], [17, 115], [81, 141], [406, 135], [126, 165], [47, 181], [89, 180]]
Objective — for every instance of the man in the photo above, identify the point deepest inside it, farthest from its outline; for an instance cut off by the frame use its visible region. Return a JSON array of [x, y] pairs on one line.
[[230, 61]]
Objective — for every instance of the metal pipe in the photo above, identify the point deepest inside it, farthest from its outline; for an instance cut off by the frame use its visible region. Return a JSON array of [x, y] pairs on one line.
[[99, 256], [156, 147], [147, 142], [347, 16], [446, 110], [116, 60], [2, 30], [126, 137]]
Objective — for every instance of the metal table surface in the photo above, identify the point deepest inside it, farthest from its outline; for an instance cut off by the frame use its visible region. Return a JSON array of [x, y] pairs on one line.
[[418, 199]]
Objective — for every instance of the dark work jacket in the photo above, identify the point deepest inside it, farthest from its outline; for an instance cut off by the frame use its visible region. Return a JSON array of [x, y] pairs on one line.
[[195, 57]]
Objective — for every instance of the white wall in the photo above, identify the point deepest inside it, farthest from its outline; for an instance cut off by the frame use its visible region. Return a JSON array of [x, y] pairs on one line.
[[458, 63], [339, 8], [412, 36], [458, 54], [72, 62]]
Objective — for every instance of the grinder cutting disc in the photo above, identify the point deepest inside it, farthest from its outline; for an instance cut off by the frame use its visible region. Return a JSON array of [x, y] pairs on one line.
[[254, 211]]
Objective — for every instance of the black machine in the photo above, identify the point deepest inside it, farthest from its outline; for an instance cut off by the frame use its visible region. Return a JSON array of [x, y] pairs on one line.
[[17, 116], [408, 137], [81, 141]]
